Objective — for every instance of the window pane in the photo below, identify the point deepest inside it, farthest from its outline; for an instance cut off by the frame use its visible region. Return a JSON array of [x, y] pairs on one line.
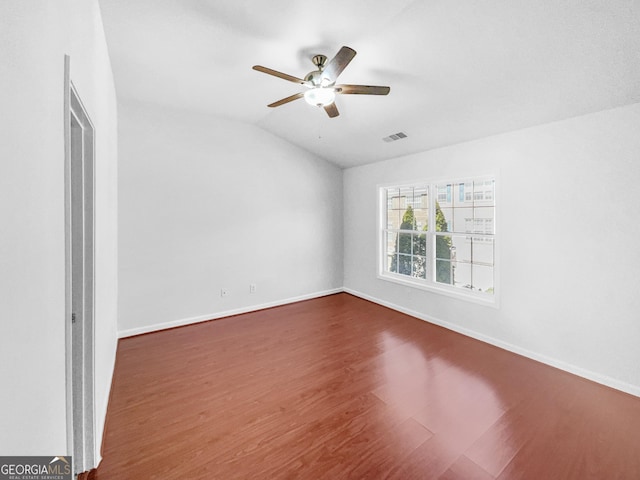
[[482, 278], [392, 263], [419, 267], [404, 264], [406, 209], [444, 219], [406, 195], [444, 273], [404, 243], [392, 193], [420, 244], [422, 218], [408, 219], [394, 219], [445, 192], [461, 248], [484, 191], [483, 250], [483, 220], [393, 209], [443, 247], [390, 244], [421, 197], [462, 275], [462, 220], [463, 194]]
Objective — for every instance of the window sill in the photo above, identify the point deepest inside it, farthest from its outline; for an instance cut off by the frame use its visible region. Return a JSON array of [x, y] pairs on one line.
[[480, 299]]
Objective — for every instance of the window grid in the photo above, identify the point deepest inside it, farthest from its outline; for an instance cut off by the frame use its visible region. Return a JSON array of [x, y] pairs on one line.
[[449, 242]]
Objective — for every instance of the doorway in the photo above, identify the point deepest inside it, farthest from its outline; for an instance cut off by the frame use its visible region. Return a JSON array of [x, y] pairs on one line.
[[79, 318]]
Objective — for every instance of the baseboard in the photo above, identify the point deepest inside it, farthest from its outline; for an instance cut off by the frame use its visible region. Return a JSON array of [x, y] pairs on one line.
[[227, 313], [581, 372]]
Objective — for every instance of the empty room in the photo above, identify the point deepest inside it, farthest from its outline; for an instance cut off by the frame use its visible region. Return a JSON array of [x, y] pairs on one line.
[[320, 240]]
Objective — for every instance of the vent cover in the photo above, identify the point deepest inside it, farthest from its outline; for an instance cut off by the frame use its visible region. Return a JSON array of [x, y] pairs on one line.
[[395, 136]]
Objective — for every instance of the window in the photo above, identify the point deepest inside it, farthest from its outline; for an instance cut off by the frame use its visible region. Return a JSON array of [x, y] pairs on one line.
[[441, 236]]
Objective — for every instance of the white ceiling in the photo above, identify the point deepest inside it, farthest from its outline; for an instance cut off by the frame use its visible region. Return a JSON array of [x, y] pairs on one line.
[[458, 70]]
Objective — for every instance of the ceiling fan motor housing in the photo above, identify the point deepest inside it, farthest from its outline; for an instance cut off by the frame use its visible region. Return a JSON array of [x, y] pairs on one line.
[[315, 78], [319, 61]]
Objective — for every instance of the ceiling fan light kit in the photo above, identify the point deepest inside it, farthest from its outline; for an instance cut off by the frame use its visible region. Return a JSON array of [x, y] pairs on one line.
[[320, 96], [321, 83]]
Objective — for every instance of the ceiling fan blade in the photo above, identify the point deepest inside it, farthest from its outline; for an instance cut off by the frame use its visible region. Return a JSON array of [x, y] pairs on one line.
[[337, 64], [287, 100], [331, 110], [362, 89], [275, 73]]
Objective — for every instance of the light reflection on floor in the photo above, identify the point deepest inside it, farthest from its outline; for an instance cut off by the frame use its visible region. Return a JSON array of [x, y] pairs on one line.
[[456, 405]]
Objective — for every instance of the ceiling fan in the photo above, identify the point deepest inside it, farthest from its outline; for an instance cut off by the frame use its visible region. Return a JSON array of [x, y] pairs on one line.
[[321, 83]]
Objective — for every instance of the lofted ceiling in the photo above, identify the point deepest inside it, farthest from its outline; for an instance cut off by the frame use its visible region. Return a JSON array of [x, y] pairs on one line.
[[457, 70]]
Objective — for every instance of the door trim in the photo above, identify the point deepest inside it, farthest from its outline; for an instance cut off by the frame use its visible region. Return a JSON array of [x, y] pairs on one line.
[[83, 345]]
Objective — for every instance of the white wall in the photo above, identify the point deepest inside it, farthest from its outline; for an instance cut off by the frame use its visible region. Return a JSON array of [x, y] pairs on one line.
[[35, 36], [568, 226], [207, 203]]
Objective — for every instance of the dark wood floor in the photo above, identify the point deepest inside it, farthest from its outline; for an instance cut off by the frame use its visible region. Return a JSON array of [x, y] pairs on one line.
[[338, 387]]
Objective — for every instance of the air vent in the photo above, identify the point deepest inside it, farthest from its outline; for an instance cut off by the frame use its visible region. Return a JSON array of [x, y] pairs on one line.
[[395, 136]]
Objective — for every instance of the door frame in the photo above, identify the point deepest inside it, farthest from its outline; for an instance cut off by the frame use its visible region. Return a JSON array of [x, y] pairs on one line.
[[79, 174]]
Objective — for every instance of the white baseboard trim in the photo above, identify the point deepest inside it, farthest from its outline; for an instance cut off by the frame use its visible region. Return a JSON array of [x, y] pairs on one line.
[[227, 313], [581, 372]]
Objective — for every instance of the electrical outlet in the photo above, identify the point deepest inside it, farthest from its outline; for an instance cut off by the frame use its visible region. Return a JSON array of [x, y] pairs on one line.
[[252, 288], [224, 292]]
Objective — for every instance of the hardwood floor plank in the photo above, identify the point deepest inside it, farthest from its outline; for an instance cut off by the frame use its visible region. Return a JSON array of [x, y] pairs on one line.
[[505, 438], [429, 461], [465, 469], [583, 432], [338, 387]]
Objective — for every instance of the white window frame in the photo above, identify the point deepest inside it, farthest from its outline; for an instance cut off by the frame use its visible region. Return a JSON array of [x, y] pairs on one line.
[[430, 284]]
